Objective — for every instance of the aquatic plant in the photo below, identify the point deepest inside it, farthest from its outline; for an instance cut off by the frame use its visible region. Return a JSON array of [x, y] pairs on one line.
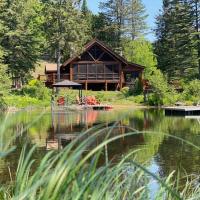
[[75, 172]]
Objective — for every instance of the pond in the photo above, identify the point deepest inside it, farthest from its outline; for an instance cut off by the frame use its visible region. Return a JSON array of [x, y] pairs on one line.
[[161, 153]]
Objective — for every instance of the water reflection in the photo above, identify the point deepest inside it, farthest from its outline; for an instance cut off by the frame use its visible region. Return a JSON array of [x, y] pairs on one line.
[[158, 151]]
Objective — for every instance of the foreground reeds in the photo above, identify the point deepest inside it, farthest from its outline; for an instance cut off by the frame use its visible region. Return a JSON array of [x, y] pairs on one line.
[[74, 173]]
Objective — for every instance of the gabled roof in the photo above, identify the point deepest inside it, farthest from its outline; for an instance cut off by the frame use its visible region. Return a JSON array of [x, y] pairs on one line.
[[108, 49]]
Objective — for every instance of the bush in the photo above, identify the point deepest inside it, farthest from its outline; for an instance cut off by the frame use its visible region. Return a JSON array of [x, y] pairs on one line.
[[136, 88], [3, 105], [24, 101], [162, 94], [36, 89], [125, 91], [136, 99], [192, 91]]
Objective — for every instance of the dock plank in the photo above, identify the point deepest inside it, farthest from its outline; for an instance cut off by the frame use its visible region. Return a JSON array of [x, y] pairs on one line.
[[182, 110]]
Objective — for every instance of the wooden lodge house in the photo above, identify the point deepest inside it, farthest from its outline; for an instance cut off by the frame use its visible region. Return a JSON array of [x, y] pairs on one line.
[[97, 68]]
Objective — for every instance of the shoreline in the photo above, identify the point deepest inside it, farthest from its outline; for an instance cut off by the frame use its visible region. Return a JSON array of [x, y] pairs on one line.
[[13, 109]]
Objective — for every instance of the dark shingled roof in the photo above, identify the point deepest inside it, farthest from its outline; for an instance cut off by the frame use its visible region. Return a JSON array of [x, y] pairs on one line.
[[66, 83]]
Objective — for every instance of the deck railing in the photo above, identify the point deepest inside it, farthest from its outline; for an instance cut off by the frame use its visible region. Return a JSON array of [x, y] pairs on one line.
[[52, 78], [96, 76]]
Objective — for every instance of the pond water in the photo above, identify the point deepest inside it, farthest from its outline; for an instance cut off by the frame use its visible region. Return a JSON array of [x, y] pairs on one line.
[[162, 153]]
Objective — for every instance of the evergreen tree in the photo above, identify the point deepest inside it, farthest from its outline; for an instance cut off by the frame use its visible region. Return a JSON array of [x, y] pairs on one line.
[[4, 78], [196, 12], [103, 29], [126, 17], [84, 8], [176, 44], [66, 28], [88, 17], [135, 20], [115, 11], [21, 36]]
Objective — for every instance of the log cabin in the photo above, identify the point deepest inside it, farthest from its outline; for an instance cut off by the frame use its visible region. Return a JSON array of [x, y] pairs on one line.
[[98, 67]]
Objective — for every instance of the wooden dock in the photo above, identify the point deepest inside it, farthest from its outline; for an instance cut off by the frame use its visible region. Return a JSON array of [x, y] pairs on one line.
[[97, 107], [80, 107], [182, 111]]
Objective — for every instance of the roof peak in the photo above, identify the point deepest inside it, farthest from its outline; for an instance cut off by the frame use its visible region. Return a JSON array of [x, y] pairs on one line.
[[104, 46]]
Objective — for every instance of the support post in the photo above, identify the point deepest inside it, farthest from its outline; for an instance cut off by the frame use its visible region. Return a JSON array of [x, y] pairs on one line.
[[121, 78], [86, 85], [70, 72], [106, 86], [58, 63], [53, 78], [58, 66]]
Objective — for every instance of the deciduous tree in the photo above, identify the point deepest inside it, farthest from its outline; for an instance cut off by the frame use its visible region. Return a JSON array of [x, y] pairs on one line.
[[140, 51]]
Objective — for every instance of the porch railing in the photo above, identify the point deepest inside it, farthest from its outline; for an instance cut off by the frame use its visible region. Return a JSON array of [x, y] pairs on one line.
[[96, 76], [52, 78]]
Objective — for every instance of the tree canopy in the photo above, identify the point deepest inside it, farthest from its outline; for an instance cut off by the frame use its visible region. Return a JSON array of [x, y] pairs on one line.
[[31, 30], [140, 51]]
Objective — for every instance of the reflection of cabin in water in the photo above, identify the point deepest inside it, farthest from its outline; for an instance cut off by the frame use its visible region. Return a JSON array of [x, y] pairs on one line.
[[97, 68]]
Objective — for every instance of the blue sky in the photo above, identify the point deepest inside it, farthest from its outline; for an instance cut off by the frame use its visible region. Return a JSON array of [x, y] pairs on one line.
[[152, 7]]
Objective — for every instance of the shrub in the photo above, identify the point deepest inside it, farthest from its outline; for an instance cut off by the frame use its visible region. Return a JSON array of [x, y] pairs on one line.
[[125, 91], [192, 91], [162, 94], [3, 105], [24, 101], [36, 89], [137, 99], [136, 88]]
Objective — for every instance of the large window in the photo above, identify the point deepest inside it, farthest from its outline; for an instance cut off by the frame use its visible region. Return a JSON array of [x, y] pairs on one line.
[[95, 71]]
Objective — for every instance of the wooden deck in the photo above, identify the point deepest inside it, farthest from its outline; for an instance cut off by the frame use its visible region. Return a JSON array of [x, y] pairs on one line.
[[182, 111]]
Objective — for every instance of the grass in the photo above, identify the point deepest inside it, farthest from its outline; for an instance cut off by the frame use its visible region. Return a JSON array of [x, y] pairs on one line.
[[105, 97], [109, 97], [74, 173], [19, 101]]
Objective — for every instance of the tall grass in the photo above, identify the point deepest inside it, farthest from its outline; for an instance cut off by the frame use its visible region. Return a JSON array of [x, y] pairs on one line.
[[74, 173]]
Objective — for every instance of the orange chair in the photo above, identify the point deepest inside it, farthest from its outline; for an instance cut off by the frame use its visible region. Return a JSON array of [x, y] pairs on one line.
[[61, 101]]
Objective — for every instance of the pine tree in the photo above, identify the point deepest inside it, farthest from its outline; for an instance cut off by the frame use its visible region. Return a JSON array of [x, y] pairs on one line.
[[4, 78], [115, 11], [66, 28], [84, 8], [21, 36], [135, 20], [88, 18], [175, 45], [126, 19], [103, 29], [196, 13]]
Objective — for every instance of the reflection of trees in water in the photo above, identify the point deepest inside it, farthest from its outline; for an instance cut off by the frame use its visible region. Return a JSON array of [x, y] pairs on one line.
[[135, 119], [19, 126], [176, 155], [168, 153]]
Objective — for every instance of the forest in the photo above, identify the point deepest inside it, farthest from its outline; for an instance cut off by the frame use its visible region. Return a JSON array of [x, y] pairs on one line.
[[34, 30]]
